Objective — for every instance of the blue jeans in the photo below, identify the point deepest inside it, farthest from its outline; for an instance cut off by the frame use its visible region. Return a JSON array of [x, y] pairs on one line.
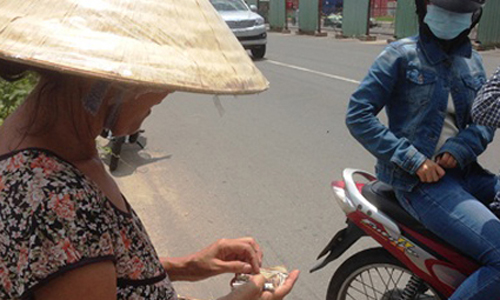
[[455, 209]]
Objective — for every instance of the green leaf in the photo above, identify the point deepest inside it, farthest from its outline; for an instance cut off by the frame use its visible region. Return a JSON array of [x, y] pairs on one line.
[[12, 94]]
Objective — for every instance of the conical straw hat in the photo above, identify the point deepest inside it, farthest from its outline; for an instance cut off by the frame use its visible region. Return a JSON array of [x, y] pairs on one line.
[[175, 44]]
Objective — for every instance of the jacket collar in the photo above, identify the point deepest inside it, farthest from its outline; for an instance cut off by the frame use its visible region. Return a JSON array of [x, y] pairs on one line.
[[435, 54]]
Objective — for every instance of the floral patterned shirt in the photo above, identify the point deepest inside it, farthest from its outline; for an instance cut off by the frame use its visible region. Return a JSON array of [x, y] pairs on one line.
[[54, 219]]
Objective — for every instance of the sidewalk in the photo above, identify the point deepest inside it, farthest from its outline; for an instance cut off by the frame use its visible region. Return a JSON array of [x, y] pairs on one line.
[[383, 30]]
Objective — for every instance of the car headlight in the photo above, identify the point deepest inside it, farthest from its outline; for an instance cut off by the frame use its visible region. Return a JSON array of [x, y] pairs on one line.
[[259, 21]]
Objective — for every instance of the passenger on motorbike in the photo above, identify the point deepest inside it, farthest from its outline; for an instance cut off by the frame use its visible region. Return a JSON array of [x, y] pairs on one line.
[[428, 150], [486, 107], [486, 111]]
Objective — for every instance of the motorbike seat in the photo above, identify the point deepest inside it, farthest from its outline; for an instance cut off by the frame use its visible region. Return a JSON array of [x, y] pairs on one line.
[[383, 197]]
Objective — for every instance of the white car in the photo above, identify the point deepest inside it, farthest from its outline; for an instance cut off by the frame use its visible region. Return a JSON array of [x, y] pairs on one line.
[[246, 25]]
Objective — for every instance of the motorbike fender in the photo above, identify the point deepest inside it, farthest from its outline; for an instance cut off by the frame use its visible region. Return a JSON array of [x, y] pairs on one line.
[[339, 244]]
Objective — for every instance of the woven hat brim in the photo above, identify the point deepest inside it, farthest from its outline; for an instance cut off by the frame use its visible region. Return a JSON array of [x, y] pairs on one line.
[[179, 45]]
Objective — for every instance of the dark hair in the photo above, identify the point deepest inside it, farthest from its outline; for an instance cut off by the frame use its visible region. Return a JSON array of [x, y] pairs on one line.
[[46, 96], [11, 71], [421, 10]]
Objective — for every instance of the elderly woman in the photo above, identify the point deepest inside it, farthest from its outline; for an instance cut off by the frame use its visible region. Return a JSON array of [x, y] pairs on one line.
[[66, 230]]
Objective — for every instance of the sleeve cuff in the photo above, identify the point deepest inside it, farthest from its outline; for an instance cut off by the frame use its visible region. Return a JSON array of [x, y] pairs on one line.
[[459, 152], [64, 269], [413, 161]]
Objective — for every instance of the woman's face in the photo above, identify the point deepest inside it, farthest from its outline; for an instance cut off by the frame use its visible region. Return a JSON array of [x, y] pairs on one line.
[[136, 106]]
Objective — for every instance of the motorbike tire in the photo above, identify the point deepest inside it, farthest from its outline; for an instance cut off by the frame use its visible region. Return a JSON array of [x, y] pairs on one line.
[[116, 148], [134, 137], [348, 280]]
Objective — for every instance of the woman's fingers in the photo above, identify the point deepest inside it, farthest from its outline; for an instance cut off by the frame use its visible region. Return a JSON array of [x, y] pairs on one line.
[[240, 253], [249, 291], [235, 266], [286, 288], [435, 174], [283, 290], [430, 171], [447, 161], [256, 255], [439, 172]]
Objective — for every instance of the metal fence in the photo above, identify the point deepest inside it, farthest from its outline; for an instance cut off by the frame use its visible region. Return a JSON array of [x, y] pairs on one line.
[[382, 8], [386, 17], [488, 33]]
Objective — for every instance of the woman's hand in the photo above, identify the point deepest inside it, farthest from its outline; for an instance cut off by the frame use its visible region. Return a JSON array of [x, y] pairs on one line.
[[254, 289], [430, 171], [446, 161], [241, 255]]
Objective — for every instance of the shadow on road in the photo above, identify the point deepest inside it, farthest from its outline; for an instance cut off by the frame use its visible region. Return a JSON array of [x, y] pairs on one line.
[[132, 156]]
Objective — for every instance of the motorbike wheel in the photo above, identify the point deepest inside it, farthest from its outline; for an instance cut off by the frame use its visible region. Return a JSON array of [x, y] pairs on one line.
[[134, 137], [374, 274], [116, 148]]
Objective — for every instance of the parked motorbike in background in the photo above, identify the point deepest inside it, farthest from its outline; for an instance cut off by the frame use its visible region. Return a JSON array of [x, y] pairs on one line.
[[116, 145], [411, 262]]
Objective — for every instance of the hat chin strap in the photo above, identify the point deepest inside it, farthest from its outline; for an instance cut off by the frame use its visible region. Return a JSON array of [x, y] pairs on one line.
[[112, 116]]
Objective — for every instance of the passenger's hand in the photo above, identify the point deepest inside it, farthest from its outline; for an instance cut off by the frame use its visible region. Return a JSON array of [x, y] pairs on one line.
[[430, 171], [446, 161], [254, 289], [241, 255]]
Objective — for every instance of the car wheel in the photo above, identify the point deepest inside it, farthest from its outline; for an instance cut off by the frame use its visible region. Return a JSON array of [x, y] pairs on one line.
[[259, 52]]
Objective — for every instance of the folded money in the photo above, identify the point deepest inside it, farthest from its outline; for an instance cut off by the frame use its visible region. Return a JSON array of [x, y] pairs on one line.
[[275, 277]]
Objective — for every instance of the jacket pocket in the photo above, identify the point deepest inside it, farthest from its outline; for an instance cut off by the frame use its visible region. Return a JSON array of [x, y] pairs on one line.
[[420, 85], [473, 82]]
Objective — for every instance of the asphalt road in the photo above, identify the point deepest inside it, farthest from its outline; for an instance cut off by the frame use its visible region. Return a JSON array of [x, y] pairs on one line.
[[259, 166]]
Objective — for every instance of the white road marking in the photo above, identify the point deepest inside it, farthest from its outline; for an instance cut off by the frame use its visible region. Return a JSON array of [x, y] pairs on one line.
[[313, 72]]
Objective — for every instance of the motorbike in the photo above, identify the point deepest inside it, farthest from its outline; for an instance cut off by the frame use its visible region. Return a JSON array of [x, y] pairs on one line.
[[117, 143], [410, 263]]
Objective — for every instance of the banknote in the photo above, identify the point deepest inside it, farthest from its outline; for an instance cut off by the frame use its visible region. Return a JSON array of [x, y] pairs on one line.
[[275, 277]]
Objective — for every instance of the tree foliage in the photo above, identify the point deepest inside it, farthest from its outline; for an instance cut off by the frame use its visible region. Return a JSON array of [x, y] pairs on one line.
[[12, 94]]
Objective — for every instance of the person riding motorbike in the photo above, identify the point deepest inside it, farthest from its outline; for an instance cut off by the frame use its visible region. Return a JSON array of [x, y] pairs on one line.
[[428, 151]]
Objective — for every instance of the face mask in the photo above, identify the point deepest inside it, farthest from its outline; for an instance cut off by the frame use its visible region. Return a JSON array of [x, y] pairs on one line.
[[445, 24]]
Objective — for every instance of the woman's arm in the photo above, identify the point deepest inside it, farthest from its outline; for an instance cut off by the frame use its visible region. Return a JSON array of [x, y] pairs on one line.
[[468, 144], [368, 100], [229, 256], [224, 256], [472, 141], [96, 281]]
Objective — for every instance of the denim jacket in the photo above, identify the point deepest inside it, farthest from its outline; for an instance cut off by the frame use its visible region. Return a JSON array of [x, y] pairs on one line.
[[413, 78]]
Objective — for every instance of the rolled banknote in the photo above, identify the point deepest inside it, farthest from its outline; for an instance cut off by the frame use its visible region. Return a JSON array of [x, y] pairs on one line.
[[275, 277]]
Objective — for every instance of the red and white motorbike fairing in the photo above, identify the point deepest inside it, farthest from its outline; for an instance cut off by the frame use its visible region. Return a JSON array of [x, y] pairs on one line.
[[412, 263]]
